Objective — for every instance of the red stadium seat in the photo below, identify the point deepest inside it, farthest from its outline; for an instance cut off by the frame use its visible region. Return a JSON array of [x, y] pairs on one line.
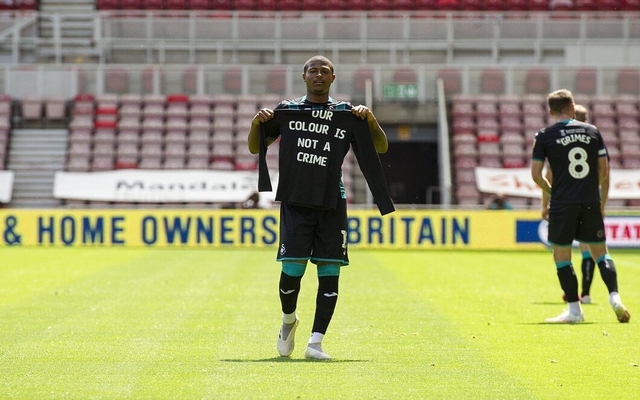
[[190, 80], [405, 75], [357, 5], [402, 5], [628, 81], [452, 80], [464, 126], [177, 4], [629, 5], [492, 81], [266, 5], [471, 5], [27, 5], [212, 4], [277, 80], [585, 81], [561, 5], [153, 4], [132, 4], [7, 5], [380, 4], [102, 164], [462, 109], [233, 80], [585, 5], [539, 5], [448, 5], [509, 111], [608, 5], [360, 77], [108, 5], [334, 5], [537, 81], [486, 110], [177, 98], [516, 5], [426, 5], [312, 5], [147, 79], [468, 194], [494, 5], [282, 5], [116, 80], [249, 5]]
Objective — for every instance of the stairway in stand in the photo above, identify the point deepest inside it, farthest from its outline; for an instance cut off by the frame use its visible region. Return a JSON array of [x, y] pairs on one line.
[[34, 157], [74, 20]]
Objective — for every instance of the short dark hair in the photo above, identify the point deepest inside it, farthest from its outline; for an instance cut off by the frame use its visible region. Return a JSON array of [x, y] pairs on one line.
[[324, 60], [559, 101]]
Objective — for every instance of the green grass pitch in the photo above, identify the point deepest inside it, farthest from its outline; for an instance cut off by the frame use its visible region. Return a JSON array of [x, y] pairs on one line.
[[94, 323]]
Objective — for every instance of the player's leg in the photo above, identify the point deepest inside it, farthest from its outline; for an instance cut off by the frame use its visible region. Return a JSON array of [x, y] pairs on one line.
[[326, 301], [294, 249], [592, 232], [289, 288], [588, 268], [609, 275], [568, 283], [562, 227], [330, 254]]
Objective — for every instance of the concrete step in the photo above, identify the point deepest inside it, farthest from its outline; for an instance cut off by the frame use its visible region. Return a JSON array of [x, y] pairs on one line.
[[22, 202]]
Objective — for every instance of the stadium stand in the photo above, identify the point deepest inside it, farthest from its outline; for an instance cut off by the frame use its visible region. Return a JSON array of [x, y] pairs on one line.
[[355, 5], [475, 141], [126, 101]]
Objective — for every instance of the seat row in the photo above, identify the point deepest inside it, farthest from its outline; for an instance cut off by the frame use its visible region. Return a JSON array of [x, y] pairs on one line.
[[371, 5], [174, 131], [20, 5], [538, 81], [498, 131]]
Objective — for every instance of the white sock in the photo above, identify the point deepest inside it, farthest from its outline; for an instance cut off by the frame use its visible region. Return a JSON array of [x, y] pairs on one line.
[[574, 308], [316, 337], [614, 298], [289, 318]]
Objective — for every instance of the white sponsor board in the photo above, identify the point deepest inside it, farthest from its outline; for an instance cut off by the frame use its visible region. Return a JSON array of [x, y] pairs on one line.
[[624, 183], [168, 186], [619, 231], [6, 186]]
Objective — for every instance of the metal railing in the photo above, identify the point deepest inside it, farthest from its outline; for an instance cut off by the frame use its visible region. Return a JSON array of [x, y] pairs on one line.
[[21, 80], [201, 37]]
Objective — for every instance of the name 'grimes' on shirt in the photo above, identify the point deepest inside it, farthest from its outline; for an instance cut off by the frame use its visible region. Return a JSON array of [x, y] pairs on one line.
[[314, 127], [573, 135]]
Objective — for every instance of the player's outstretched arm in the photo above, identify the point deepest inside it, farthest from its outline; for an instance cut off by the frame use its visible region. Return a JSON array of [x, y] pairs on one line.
[[377, 133], [263, 115]]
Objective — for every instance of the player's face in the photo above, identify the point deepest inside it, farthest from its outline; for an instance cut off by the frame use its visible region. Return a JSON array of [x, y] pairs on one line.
[[318, 78]]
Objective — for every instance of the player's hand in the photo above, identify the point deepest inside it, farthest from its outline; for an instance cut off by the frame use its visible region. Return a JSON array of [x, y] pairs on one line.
[[362, 112], [263, 115], [545, 214]]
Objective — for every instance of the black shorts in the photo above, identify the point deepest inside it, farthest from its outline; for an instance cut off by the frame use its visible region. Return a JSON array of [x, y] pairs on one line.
[[581, 222], [314, 234]]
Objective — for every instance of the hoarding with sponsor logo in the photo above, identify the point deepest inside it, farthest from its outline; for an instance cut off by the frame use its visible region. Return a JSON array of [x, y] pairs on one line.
[[403, 229]]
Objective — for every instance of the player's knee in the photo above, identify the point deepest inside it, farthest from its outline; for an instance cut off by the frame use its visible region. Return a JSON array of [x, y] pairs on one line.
[[294, 268], [328, 270]]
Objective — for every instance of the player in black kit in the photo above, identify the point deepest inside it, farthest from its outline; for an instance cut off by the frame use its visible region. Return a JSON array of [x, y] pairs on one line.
[[577, 157], [315, 132]]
